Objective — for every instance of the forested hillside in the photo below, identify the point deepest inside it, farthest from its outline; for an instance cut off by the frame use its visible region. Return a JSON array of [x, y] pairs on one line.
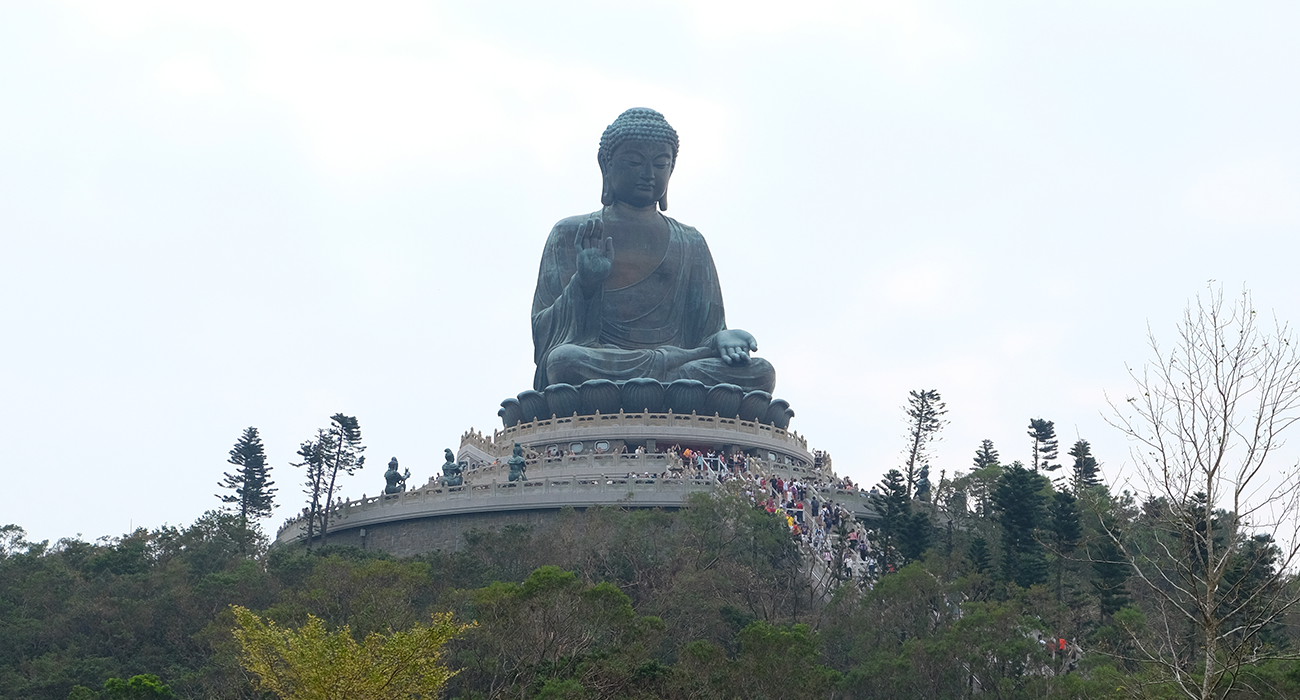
[[707, 602]]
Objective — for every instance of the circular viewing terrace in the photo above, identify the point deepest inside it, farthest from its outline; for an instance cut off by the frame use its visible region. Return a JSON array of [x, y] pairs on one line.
[[624, 432], [623, 459]]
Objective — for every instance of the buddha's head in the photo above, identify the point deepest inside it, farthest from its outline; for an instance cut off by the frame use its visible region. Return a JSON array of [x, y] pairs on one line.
[[637, 154]]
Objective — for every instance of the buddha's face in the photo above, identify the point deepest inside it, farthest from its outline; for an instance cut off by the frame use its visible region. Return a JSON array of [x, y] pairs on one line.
[[638, 172]]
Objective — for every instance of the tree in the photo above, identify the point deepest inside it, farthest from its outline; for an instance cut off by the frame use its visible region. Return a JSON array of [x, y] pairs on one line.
[[986, 456], [253, 496], [343, 453], [1207, 416], [1019, 502], [902, 535], [924, 421], [1085, 467], [1046, 446], [1110, 571], [979, 554], [1063, 533], [312, 663], [553, 627], [915, 539], [780, 662], [894, 509], [314, 455], [13, 540], [142, 687]]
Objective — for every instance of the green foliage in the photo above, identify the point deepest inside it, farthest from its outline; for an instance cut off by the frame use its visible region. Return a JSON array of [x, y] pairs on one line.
[[894, 508], [986, 456], [315, 456], [979, 486], [1045, 445], [710, 601], [1086, 470], [312, 663], [342, 453], [903, 533], [142, 687], [1019, 502], [925, 410], [979, 554], [553, 632], [1110, 571], [1063, 533], [253, 496], [780, 662], [13, 540]]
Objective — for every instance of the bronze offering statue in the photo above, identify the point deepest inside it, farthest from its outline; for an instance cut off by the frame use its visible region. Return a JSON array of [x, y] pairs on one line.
[[628, 293], [516, 462], [452, 470], [396, 480]]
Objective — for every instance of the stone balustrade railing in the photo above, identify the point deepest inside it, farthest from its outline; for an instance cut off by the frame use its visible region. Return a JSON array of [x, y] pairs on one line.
[[506, 437], [622, 463], [479, 440]]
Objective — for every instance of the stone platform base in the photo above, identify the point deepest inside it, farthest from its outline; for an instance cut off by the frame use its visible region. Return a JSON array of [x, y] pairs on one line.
[[404, 538]]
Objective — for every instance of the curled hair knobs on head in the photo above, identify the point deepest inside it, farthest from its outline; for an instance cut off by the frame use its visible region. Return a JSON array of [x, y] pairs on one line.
[[640, 124]]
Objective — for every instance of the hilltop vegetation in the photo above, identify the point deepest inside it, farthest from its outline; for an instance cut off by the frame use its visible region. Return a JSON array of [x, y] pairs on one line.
[[705, 602]]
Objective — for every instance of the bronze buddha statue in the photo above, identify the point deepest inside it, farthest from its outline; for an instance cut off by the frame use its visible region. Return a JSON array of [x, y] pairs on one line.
[[626, 292]]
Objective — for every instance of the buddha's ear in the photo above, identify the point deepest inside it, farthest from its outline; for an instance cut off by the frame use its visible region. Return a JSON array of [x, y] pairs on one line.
[[606, 192], [663, 201]]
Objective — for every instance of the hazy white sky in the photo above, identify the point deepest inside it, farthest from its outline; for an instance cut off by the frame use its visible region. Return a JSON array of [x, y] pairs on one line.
[[216, 215]]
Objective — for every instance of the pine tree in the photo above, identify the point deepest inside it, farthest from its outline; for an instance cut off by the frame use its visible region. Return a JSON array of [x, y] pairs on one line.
[[915, 537], [342, 454], [1110, 571], [982, 481], [1046, 446], [1064, 532], [314, 455], [1019, 503], [979, 554], [903, 535], [253, 496], [986, 456], [924, 421], [1086, 467], [894, 509]]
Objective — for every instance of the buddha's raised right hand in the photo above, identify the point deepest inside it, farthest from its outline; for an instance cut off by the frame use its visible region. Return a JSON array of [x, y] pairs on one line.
[[595, 256]]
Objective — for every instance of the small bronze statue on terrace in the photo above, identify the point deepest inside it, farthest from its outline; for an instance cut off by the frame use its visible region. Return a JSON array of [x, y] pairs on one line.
[[452, 471], [516, 462], [396, 480]]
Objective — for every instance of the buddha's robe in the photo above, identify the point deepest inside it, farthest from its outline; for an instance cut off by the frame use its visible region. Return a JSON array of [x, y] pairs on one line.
[[652, 328]]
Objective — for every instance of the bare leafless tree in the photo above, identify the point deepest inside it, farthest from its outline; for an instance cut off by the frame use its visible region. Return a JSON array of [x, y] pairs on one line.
[[1207, 421]]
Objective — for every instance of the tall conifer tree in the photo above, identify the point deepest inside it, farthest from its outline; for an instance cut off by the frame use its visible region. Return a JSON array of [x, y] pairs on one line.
[[925, 410], [1046, 446], [314, 454], [253, 496], [985, 456], [1085, 467], [1064, 532], [343, 454], [1019, 503]]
